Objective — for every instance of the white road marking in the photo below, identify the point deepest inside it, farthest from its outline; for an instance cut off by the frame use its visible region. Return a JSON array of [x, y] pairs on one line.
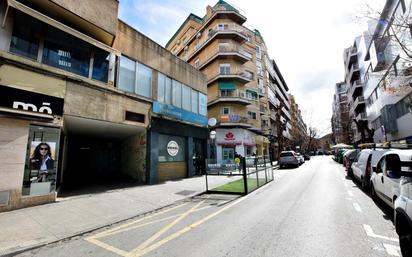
[[357, 207], [392, 249], [350, 193], [370, 233]]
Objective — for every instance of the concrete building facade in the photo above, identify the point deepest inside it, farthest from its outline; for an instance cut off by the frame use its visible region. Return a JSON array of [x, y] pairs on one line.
[[341, 125], [244, 84], [85, 101]]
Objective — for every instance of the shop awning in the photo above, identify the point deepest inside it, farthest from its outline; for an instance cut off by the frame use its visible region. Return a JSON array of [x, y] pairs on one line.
[[227, 85]]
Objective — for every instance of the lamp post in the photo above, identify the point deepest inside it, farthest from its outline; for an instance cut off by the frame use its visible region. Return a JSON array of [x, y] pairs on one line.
[[212, 144]]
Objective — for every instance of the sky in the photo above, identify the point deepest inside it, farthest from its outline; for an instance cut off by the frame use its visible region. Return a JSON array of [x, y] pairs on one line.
[[305, 38]]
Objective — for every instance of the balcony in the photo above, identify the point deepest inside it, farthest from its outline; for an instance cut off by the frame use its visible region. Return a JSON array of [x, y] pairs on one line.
[[356, 87], [352, 55], [234, 120], [286, 113], [232, 52], [262, 109], [261, 91], [354, 72], [359, 101], [229, 31], [238, 75], [361, 116], [232, 96]]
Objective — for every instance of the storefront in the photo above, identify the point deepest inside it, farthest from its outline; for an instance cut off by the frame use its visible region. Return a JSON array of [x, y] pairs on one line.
[[30, 124], [231, 141], [177, 142]]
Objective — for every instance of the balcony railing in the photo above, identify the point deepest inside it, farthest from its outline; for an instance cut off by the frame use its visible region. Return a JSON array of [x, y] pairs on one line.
[[232, 73], [234, 50], [228, 29], [233, 120], [358, 100], [237, 96]]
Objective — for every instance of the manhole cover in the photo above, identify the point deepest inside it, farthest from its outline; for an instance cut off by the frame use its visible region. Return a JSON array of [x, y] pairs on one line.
[[185, 192]]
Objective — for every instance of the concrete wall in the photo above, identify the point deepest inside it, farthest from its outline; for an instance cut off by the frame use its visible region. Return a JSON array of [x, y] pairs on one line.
[[101, 105], [133, 157], [102, 13], [141, 48]]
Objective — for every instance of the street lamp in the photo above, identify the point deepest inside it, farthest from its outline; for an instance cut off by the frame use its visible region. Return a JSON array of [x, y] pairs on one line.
[[212, 144]]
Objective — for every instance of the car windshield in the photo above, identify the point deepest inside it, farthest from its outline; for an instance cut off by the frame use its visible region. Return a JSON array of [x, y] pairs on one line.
[[286, 154]]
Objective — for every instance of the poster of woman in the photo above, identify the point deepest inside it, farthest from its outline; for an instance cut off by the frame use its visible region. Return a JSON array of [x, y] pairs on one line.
[[41, 159]]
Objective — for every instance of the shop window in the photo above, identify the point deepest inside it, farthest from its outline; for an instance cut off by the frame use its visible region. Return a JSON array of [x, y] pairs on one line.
[[26, 36], [161, 80], [186, 98], [168, 91], [171, 148], [202, 104], [66, 52], [195, 101], [100, 65], [40, 171], [127, 74]]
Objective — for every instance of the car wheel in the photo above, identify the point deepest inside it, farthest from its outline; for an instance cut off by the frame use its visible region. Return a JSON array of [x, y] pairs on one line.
[[405, 242]]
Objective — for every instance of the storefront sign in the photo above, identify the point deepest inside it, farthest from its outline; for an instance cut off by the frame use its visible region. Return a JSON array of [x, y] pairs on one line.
[[229, 136], [30, 101], [179, 114], [172, 148]]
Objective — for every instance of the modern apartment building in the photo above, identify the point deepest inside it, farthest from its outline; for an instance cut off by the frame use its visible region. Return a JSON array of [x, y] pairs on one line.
[[355, 69], [87, 101], [245, 87], [341, 124], [388, 91]]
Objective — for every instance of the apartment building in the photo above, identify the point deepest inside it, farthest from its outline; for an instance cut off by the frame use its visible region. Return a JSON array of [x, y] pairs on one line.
[[298, 126], [341, 124], [88, 101], [244, 84], [355, 69], [389, 75]]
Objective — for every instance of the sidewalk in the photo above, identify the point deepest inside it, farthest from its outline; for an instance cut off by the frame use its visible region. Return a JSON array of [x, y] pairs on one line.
[[35, 226]]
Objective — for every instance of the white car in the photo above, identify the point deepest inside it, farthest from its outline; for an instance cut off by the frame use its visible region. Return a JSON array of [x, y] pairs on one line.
[[364, 164], [288, 158], [385, 179], [300, 158]]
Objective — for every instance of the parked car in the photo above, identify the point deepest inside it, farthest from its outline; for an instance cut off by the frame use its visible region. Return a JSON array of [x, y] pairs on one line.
[[288, 158], [300, 158], [364, 163], [386, 177], [306, 157], [403, 203], [348, 159], [339, 155]]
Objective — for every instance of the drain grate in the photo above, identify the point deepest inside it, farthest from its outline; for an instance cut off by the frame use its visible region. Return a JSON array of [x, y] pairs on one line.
[[185, 192]]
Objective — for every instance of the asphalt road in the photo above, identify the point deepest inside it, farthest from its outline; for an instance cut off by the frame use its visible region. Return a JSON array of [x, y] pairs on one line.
[[313, 210]]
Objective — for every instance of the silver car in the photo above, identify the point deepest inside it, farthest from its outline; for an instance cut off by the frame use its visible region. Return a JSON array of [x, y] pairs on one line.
[[288, 158]]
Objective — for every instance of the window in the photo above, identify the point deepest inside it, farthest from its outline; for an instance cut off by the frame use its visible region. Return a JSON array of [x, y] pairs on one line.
[[225, 110], [176, 93], [224, 69], [252, 115], [144, 80], [26, 36], [161, 80], [222, 26], [127, 74], [186, 98], [223, 47], [195, 101], [197, 62], [66, 52], [168, 90], [164, 155], [258, 52], [202, 104], [100, 65]]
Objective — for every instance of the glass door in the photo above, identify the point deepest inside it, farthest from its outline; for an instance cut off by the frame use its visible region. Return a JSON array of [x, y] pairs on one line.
[[228, 155]]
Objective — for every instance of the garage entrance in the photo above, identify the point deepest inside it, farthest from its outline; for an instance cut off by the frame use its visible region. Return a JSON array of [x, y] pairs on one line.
[[101, 156]]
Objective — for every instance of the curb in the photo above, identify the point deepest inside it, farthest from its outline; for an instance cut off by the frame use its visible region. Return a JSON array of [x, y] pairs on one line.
[[81, 233]]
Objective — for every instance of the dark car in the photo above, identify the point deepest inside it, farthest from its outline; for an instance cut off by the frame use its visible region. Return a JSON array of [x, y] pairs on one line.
[[349, 157], [306, 156]]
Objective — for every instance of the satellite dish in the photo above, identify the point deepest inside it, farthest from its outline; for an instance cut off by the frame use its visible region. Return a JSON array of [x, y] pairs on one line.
[[212, 122]]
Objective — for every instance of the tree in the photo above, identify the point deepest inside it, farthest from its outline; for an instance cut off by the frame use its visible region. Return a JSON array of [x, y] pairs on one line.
[[313, 133]]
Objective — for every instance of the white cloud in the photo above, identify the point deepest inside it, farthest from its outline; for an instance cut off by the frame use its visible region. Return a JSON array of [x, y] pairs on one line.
[[306, 39]]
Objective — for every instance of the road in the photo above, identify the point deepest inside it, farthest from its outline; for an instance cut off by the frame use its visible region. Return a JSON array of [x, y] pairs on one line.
[[313, 210]]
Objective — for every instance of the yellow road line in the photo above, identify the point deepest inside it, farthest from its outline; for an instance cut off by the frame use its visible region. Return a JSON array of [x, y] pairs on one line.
[[107, 247], [114, 230], [182, 231], [142, 246]]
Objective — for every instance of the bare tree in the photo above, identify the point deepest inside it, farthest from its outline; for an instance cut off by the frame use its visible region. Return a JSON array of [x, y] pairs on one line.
[[312, 134]]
